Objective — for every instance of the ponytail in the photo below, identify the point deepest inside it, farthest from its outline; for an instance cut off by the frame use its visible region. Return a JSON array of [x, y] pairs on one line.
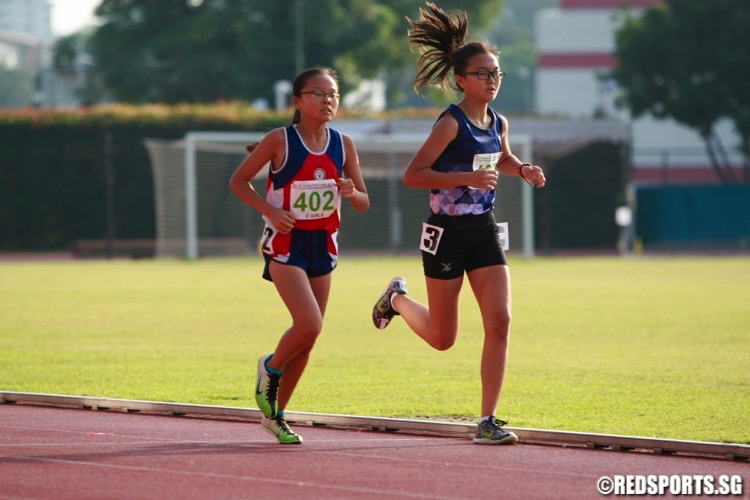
[[438, 37], [441, 39]]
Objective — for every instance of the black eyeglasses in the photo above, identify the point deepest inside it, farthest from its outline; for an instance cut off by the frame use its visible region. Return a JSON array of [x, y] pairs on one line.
[[486, 75], [320, 95]]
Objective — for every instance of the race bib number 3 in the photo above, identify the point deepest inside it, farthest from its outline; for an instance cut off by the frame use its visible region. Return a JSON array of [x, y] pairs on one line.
[[430, 239], [314, 199]]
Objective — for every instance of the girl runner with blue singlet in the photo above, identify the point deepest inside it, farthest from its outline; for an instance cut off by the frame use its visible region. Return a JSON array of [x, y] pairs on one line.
[[459, 164], [311, 168]]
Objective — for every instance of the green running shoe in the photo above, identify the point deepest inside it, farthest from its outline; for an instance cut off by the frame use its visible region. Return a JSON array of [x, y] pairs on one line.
[[491, 432], [383, 312], [279, 428], [266, 389]]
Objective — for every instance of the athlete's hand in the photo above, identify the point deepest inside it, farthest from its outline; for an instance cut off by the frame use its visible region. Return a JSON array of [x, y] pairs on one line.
[[484, 178], [282, 220], [346, 187], [535, 175]]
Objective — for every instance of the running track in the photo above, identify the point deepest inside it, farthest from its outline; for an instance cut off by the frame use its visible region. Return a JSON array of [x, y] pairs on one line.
[[61, 453]]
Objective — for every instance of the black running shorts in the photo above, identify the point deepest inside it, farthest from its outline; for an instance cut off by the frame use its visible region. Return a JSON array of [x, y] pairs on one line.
[[452, 245]]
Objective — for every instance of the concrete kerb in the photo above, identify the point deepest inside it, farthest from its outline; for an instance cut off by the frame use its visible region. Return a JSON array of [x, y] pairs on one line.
[[730, 451]]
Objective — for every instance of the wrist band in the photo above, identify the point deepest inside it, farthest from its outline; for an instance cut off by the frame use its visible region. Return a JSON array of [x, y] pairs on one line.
[[520, 173]]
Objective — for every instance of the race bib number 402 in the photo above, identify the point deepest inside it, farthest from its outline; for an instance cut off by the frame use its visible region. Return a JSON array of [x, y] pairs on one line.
[[314, 199]]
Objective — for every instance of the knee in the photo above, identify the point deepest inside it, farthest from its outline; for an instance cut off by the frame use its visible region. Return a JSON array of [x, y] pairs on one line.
[[443, 344], [498, 326], [309, 330], [444, 340], [504, 320]]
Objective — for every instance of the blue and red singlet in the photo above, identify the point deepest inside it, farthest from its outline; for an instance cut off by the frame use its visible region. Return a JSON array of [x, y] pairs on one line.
[[305, 185]]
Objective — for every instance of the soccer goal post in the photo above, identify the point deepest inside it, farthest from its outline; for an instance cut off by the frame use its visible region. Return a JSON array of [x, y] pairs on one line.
[[192, 140], [197, 215]]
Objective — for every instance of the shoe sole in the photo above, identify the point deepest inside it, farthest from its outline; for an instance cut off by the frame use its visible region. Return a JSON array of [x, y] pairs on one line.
[[380, 324], [510, 440], [383, 323]]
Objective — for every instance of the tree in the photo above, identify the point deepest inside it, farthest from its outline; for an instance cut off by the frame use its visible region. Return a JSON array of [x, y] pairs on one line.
[[688, 61], [71, 56], [208, 50]]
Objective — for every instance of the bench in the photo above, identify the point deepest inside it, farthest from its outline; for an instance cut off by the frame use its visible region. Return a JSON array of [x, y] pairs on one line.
[[100, 248], [146, 248]]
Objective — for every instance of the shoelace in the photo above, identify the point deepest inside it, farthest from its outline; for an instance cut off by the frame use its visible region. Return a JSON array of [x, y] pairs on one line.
[[284, 426], [273, 387], [496, 422]]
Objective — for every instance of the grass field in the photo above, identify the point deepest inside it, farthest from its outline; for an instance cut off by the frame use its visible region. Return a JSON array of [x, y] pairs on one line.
[[656, 347]]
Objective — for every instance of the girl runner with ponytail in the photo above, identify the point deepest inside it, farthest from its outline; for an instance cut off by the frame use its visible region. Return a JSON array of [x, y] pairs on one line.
[[460, 164]]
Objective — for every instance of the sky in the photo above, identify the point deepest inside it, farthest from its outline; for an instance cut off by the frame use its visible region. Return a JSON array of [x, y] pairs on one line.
[[69, 16]]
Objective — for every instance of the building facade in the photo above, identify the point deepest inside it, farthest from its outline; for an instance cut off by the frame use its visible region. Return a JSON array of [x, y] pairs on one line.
[[26, 44], [29, 17], [575, 44]]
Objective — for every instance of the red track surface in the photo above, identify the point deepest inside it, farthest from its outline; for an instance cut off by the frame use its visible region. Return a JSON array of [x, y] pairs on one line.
[[53, 453]]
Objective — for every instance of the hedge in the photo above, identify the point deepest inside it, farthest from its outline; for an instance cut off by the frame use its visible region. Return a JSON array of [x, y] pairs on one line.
[[52, 167], [53, 186]]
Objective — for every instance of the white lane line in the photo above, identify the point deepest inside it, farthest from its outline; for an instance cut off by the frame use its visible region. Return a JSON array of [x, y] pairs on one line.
[[284, 482], [501, 466]]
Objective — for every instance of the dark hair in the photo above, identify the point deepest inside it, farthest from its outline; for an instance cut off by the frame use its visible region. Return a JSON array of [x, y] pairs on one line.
[[299, 84], [441, 39]]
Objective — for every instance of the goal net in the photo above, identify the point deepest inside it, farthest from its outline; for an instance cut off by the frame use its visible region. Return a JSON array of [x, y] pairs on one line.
[[197, 215]]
